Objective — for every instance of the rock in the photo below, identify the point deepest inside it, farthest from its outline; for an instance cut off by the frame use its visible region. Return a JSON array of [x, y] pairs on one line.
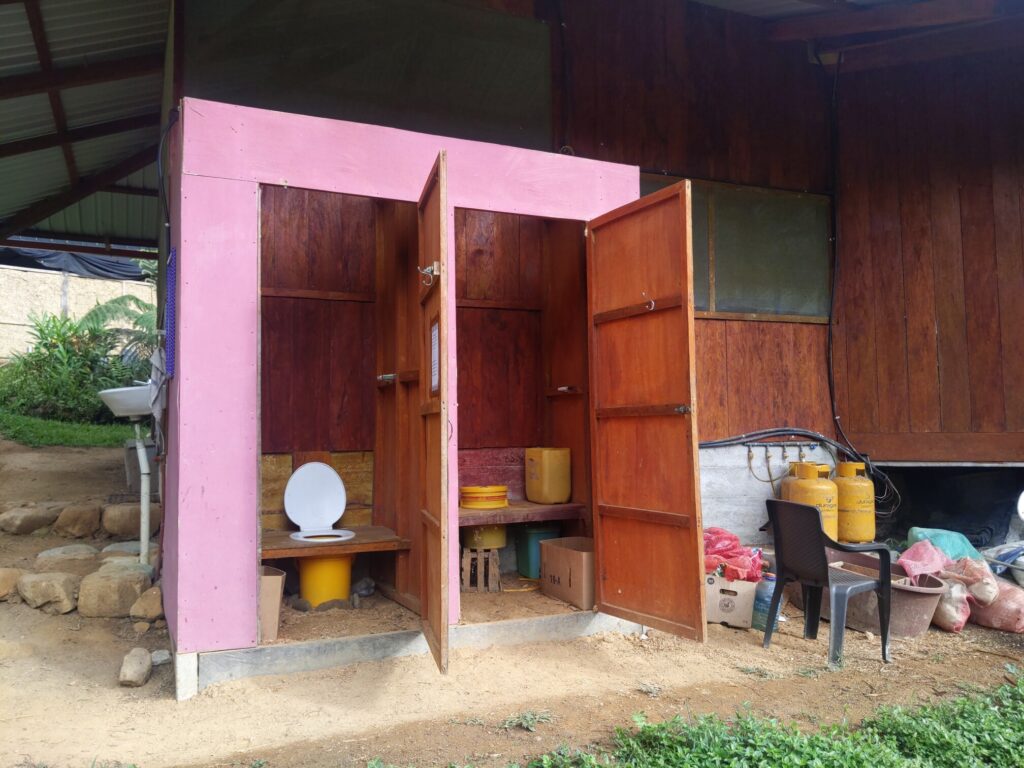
[[50, 592], [78, 520], [79, 559], [161, 657], [136, 668], [9, 581], [127, 564], [24, 520], [111, 592], [149, 606], [160, 623], [141, 627], [129, 549], [122, 520], [297, 603]]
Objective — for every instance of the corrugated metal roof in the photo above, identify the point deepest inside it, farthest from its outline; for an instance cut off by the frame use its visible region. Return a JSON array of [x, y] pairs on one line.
[[132, 217], [93, 30], [90, 104], [80, 32], [17, 49], [25, 116], [26, 179]]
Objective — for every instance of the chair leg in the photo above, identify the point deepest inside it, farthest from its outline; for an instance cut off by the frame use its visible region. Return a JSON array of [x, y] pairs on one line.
[[884, 604], [812, 612], [773, 609], [837, 626]]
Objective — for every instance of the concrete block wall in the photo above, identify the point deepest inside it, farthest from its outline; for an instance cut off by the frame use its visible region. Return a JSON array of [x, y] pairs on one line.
[[27, 292], [733, 496]]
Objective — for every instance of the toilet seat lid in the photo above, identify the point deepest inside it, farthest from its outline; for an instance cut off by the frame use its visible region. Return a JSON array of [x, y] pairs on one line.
[[314, 498]]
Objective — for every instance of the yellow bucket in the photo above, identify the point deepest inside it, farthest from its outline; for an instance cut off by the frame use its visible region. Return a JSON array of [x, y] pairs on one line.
[[322, 579], [484, 536], [483, 496]]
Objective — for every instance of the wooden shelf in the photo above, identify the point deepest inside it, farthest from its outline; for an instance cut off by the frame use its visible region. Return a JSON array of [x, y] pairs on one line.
[[521, 512], [368, 538]]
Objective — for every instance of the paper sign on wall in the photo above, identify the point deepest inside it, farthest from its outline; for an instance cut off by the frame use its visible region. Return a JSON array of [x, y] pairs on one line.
[[435, 357]]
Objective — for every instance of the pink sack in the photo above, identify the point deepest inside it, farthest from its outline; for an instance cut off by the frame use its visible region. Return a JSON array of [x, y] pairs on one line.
[[953, 609], [1005, 613], [923, 557], [722, 547], [976, 576]]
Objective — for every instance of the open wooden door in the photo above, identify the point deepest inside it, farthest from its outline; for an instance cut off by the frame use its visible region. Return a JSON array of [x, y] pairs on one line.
[[647, 525], [433, 388]]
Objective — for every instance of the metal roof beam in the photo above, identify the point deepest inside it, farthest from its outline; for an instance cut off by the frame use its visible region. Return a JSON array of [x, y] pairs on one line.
[[100, 250], [22, 146], [927, 46], [136, 191], [60, 120], [882, 18], [51, 205], [87, 74]]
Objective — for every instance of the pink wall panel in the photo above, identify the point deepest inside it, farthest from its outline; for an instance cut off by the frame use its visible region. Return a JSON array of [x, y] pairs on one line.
[[227, 152], [217, 416]]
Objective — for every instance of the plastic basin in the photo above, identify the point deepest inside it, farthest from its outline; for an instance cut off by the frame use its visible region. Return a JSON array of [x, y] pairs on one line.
[[912, 606]]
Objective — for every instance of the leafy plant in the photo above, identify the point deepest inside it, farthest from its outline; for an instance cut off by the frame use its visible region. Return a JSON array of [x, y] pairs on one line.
[[71, 360], [528, 720]]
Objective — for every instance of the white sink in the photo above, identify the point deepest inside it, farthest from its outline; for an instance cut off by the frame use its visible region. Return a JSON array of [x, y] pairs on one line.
[[128, 401]]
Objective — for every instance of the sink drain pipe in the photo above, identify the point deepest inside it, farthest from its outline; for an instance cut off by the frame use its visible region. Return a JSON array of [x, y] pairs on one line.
[[140, 449]]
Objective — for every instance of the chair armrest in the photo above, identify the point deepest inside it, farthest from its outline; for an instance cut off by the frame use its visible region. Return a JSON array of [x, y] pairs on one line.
[[884, 558]]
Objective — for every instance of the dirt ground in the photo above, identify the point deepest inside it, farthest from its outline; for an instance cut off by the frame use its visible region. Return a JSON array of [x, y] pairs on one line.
[[61, 704]]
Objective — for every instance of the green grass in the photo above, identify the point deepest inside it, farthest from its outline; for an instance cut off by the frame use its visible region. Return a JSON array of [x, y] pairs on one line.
[[981, 729], [37, 432]]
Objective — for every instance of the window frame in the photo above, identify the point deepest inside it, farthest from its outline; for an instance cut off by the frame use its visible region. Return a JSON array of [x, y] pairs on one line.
[[714, 314]]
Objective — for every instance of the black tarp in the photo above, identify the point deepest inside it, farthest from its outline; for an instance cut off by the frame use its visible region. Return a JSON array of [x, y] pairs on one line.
[[84, 264]]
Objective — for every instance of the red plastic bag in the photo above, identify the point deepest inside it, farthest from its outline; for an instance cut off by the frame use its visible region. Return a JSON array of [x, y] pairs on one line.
[[953, 609], [923, 557], [1005, 613], [976, 576], [723, 548]]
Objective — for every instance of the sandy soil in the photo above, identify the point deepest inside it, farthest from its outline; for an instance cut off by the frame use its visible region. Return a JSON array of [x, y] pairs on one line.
[[59, 473], [61, 705]]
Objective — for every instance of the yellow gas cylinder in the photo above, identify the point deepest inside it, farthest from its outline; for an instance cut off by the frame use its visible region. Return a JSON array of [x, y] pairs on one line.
[[786, 486], [856, 503], [817, 491]]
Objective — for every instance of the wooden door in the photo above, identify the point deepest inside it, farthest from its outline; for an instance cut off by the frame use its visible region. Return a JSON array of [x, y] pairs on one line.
[[646, 496], [433, 388]]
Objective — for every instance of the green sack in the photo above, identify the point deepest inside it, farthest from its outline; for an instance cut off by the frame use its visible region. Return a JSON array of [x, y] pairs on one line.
[[953, 543]]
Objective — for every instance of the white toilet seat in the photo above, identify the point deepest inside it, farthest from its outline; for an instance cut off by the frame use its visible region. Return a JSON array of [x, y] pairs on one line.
[[315, 499], [333, 534]]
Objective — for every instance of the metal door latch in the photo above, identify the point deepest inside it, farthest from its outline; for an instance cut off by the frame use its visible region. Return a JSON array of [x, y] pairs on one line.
[[682, 409]]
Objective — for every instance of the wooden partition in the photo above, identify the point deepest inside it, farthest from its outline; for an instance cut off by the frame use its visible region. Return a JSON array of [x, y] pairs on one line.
[[522, 345]]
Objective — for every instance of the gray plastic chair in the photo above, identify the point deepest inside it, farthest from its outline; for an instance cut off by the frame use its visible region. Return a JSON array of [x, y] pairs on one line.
[[800, 556]]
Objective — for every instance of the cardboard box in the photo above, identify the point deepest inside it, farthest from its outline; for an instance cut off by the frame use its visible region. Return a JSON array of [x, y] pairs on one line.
[[729, 602], [567, 570]]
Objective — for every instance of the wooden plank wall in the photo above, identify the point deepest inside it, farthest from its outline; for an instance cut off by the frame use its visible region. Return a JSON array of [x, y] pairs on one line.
[[694, 91], [930, 320], [498, 290], [318, 326]]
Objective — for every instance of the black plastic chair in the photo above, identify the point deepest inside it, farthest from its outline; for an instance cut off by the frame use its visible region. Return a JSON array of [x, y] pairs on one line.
[[800, 556]]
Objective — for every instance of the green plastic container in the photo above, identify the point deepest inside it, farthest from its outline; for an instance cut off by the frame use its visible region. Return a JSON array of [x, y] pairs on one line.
[[528, 539]]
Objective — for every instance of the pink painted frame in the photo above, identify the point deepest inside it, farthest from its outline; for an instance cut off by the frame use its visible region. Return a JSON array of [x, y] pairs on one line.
[[221, 154]]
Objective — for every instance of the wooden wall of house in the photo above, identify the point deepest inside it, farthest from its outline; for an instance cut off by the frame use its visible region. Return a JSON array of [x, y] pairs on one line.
[[693, 91], [930, 323]]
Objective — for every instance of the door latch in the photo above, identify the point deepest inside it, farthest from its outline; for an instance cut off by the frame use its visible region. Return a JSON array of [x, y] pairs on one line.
[[682, 410]]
